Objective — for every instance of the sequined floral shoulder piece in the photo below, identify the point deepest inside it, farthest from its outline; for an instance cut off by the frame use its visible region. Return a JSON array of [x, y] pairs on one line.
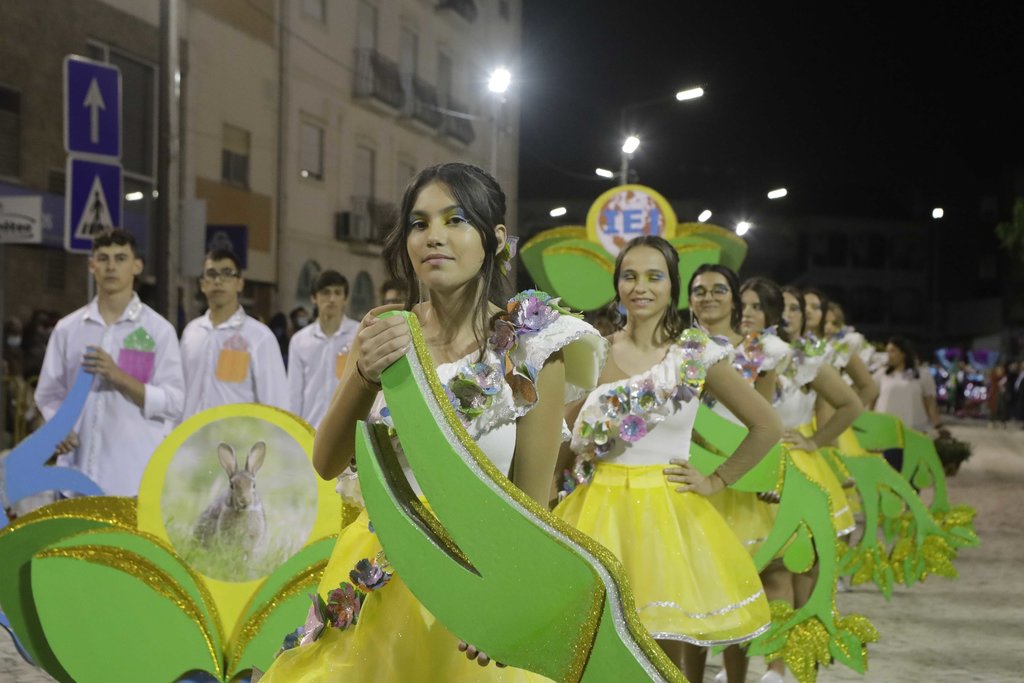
[[760, 352], [628, 409], [808, 354]]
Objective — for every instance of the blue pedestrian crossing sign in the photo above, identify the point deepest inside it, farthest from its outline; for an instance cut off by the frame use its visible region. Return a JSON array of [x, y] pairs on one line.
[[93, 202], [92, 107]]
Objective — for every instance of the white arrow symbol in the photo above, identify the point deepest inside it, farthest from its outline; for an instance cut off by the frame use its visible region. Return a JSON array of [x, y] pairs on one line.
[[94, 100]]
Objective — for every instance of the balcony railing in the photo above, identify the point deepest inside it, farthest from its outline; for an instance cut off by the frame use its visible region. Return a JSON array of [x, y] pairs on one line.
[[377, 216], [421, 101], [458, 127], [377, 77]]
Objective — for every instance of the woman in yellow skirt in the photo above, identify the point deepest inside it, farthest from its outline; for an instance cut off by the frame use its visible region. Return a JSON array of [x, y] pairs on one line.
[[452, 241], [694, 583]]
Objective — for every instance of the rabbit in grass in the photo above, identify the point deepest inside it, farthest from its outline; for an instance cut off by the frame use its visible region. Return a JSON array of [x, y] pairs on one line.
[[235, 519]]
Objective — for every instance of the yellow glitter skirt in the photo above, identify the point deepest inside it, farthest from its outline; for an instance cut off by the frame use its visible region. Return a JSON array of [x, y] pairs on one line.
[[692, 579], [749, 518], [820, 472], [395, 640]]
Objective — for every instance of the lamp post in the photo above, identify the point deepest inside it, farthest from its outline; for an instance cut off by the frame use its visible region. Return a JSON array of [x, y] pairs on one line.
[[632, 142], [498, 83]]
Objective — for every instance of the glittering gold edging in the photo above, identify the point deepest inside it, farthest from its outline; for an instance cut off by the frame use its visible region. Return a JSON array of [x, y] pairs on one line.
[[651, 657], [686, 229], [248, 629], [580, 251], [148, 573], [113, 510], [563, 232]]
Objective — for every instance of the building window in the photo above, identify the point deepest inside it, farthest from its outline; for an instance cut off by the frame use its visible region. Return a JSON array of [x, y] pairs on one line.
[[315, 10], [366, 171], [444, 78], [366, 27], [10, 131], [311, 151], [503, 9], [234, 160], [409, 55]]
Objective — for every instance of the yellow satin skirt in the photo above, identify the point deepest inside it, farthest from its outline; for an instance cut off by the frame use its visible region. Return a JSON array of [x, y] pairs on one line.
[[820, 472], [395, 640], [749, 518], [692, 579]]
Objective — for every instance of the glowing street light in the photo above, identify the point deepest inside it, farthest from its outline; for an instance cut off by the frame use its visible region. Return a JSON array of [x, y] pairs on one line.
[[499, 81], [704, 216], [689, 94], [604, 173], [630, 145], [742, 227], [133, 196], [937, 212], [778, 194], [557, 211]]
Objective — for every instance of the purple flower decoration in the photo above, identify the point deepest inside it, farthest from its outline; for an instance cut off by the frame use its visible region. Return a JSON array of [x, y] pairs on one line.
[[369, 576], [344, 604], [632, 428], [644, 396], [684, 393], [503, 338], [533, 315]]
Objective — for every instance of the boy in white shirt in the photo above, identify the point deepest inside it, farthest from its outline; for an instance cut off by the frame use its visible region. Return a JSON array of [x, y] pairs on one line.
[[228, 356], [317, 353], [138, 390]]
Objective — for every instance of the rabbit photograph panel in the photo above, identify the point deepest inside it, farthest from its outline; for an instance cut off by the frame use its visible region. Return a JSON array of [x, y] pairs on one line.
[[239, 498]]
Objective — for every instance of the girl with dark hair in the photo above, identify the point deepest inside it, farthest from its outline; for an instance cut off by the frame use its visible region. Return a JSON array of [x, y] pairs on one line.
[[758, 353], [635, 492], [815, 304], [904, 389], [848, 349], [449, 244]]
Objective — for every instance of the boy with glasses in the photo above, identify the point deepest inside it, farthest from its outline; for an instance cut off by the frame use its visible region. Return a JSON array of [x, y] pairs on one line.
[[228, 356], [138, 390], [318, 352]]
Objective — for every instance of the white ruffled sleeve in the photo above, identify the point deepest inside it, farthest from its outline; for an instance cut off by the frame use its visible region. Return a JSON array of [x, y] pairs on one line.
[[584, 352], [717, 350], [776, 353]]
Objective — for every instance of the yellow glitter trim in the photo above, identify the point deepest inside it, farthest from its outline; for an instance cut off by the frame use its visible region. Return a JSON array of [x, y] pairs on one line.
[[580, 251], [564, 232], [148, 573], [250, 628], [687, 229], [655, 655], [112, 510]]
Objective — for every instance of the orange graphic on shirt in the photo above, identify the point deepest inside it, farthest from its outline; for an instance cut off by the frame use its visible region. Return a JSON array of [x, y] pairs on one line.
[[232, 366]]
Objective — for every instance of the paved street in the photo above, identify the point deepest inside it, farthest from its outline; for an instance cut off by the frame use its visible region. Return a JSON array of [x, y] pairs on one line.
[[942, 631]]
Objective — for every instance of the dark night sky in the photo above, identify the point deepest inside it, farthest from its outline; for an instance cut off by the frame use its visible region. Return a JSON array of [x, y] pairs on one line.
[[856, 109]]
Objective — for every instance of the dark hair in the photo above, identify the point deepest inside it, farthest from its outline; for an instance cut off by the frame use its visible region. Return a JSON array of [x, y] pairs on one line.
[[824, 301], [672, 321], [399, 286], [734, 287], [330, 278], [784, 332], [837, 311], [909, 355], [483, 201], [118, 237], [769, 295], [223, 254]]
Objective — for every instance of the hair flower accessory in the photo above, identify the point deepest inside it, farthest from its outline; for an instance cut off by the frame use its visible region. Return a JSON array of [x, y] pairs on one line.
[[369, 575], [507, 253]]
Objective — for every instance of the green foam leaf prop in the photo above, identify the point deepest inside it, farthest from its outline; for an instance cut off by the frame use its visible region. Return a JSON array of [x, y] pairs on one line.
[[733, 247], [32, 533], [553, 598], [531, 253], [581, 272]]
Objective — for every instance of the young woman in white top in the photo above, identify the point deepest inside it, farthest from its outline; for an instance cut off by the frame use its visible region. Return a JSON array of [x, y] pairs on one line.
[[694, 583]]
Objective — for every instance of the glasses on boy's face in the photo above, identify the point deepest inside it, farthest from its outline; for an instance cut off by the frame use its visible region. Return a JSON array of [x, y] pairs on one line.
[[212, 274], [716, 292]]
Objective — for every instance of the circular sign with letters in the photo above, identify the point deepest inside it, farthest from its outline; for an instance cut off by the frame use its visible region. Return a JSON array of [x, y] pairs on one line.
[[629, 211]]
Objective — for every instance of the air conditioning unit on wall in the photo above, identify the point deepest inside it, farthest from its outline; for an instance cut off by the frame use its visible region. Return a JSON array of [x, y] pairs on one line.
[[351, 226]]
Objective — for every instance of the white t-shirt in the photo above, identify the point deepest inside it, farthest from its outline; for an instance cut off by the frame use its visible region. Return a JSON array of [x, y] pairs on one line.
[[238, 361], [116, 437], [902, 395], [315, 362]]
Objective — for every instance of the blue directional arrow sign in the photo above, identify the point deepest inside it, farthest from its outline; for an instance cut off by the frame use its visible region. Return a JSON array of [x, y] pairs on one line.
[[93, 202], [92, 107]]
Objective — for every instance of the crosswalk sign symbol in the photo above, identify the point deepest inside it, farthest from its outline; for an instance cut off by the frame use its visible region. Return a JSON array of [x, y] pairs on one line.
[[93, 203]]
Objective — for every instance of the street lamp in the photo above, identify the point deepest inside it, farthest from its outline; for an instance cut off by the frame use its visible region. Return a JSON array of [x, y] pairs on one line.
[[742, 227], [557, 211], [604, 173], [632, 142], [938, 213], [778, 194], [498, 84], [704, 216]]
